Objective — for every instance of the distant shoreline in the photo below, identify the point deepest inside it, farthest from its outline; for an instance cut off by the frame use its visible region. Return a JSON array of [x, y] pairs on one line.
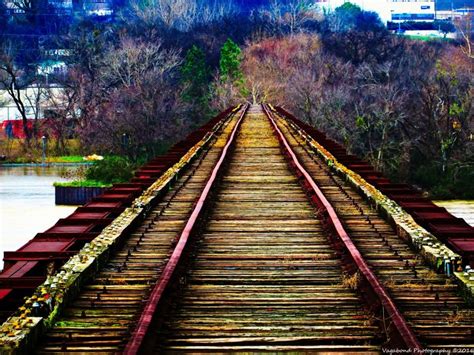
[[43, 164]]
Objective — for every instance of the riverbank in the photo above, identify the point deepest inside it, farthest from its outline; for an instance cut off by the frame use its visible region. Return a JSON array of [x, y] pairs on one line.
[[63, 159], [8, 165], [13, 150]]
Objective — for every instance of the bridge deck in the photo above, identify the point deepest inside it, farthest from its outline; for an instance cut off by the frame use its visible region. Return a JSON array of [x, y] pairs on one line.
[[264, 267], [264, 274]]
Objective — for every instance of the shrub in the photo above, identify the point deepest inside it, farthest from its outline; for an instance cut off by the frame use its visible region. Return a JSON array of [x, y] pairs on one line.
[[456, 181], [81, 183], [111, 170]]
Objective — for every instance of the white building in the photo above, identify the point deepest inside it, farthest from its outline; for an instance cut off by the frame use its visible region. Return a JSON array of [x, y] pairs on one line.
[[390, 10], [98, 8], [412, 10], [36, 100], [455, 14]]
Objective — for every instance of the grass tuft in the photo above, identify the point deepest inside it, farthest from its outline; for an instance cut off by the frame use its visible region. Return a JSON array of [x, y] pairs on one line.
[[351, 281], [81, 183]]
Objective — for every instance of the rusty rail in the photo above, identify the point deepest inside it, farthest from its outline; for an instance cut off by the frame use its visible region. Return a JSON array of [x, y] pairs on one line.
[[99, 212], [138, 336], [452, 231], [79, 274], [406, 335]]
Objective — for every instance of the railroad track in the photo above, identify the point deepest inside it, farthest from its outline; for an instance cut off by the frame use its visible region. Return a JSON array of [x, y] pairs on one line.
[[264, 277], [262, 271], [430, 302], [100, 318]]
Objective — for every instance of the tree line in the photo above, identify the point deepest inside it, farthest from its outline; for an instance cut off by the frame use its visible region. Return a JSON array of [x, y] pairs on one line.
[[162, 67], [406, 106]]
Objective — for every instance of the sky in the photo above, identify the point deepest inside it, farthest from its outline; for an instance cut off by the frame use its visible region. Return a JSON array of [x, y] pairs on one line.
[[440, 4]]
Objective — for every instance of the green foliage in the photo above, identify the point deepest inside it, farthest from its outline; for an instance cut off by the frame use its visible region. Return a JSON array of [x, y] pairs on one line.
[[348, 9], [66, 159], [81, 183], [111, 170], [428, 38], [349, 17], [230, 60], [195, 75], [444, 27], [455, 181], [346, 15], [456, 109], [360, 122], [447, 144]]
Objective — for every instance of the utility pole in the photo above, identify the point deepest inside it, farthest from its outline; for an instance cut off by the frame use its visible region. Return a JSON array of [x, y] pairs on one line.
[[44, 142]]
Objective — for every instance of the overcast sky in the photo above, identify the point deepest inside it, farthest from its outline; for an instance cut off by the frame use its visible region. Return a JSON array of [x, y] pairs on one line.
[[441, 4]]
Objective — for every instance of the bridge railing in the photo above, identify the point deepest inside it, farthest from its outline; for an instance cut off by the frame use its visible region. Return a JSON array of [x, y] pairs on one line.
[[23, 330]]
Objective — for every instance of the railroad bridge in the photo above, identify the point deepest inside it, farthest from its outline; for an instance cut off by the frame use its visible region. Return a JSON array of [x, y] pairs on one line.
[[256, 233]]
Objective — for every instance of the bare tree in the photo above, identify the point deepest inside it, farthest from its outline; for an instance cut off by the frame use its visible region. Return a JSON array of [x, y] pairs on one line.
[[291, 15], [381, 111], [136, 94], [270, 66], [62, 113], [298, 13], [465, 32], [225, 94], [35, 96], [129, 64], [31, 9], [15, 81], [179, 14], [215, 11]]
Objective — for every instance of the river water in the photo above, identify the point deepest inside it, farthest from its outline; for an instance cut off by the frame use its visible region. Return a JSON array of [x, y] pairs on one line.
[[460, 208], [27, 204]]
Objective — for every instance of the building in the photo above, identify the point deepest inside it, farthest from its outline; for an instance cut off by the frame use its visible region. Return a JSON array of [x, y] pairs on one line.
[[455, 14], [412, 10], [61, 7], [88, 8], [391, 10], [98, 8]]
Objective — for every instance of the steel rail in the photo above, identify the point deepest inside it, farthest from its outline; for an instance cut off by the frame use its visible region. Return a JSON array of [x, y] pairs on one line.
[[138, 336], [406, 334]]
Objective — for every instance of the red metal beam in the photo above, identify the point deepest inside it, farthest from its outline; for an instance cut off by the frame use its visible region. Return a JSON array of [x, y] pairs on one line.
[[406, 334], [37, 255], [21, 282], [409, 203], [111, 203], [135, 343]]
